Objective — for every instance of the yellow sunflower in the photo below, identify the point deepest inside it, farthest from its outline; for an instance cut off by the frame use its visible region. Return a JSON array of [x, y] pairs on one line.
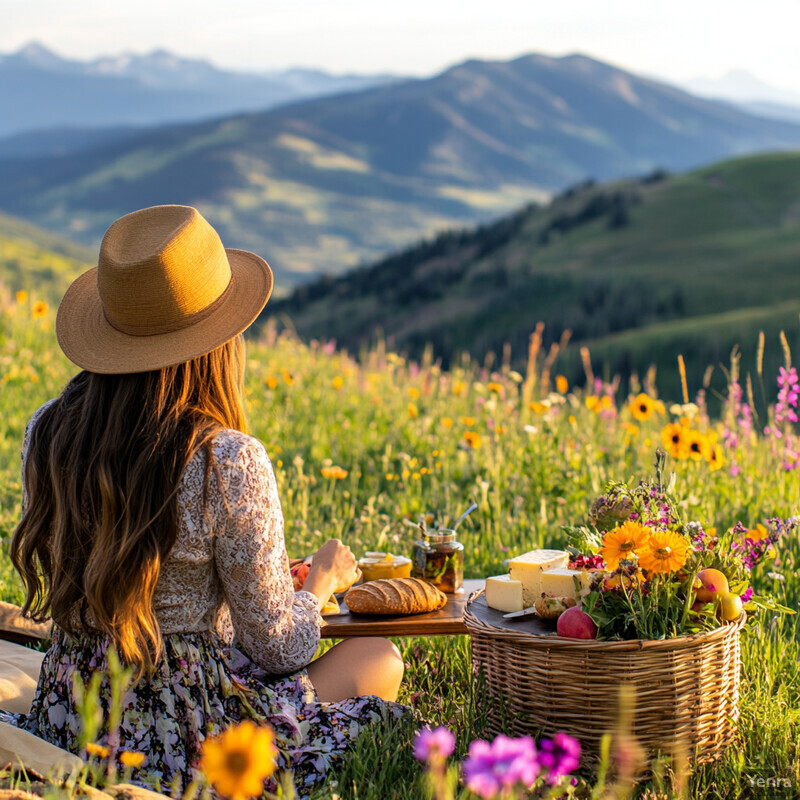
[[643, 407], [674, 439], [716, 457], [697, 444], [665, 551], [622, 542], [237, 761]]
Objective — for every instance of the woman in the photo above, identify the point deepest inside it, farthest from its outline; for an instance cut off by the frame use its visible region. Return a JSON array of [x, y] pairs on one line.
[[151, 523]]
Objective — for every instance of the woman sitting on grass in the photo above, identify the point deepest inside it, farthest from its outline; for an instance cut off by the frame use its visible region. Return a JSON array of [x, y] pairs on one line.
[[151, 523]]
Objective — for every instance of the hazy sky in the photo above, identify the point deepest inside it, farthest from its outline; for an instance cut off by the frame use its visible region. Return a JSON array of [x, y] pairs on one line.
[[677, 40]]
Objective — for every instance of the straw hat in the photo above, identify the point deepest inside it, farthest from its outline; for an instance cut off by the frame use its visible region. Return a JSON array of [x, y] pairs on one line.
[[164, 291]]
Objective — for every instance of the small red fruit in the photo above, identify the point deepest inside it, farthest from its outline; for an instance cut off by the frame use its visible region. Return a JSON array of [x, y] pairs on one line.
[[576, 624]]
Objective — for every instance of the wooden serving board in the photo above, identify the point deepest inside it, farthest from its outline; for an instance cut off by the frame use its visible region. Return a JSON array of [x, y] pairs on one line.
[[448, 621], [532, 624]]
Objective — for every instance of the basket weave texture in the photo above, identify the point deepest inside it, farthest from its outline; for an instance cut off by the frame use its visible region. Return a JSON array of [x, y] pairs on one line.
[[687, 689]]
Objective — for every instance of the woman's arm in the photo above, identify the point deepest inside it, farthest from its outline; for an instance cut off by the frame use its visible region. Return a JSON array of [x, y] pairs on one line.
[[278, 628]]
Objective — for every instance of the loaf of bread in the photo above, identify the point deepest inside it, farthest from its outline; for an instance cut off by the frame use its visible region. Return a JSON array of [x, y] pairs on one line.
[[394, 596]]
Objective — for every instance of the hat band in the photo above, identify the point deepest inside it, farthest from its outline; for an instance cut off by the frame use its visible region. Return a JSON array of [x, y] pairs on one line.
[[168, 327]]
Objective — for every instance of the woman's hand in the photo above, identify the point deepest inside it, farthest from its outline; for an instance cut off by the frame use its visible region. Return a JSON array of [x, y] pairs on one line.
[[333, 569]]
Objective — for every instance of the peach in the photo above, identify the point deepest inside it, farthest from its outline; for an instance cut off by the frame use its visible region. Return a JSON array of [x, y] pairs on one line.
[[709, 585], [576, 624]]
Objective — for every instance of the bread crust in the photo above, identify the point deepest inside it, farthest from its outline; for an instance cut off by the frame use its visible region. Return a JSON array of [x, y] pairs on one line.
[[394, 597]]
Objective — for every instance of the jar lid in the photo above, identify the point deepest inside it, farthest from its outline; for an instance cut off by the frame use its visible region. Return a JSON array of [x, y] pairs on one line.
[[440, 535]]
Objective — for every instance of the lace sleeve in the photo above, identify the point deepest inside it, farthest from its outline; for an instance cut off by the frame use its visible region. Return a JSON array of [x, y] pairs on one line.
[[277, 627]]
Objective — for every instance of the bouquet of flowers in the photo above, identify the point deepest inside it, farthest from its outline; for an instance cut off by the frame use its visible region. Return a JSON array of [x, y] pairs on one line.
[[657, 576]]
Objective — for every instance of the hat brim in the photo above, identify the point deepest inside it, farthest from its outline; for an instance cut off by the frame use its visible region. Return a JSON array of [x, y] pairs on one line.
[[91, 342]]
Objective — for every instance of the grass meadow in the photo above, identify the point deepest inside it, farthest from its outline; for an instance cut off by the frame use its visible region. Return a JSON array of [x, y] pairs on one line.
[[412, 439]]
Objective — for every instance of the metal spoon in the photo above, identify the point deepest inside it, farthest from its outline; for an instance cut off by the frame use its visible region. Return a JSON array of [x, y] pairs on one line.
[[464, 515]]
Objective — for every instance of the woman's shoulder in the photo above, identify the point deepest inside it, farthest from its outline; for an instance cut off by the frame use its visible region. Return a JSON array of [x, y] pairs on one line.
[[230, 445]]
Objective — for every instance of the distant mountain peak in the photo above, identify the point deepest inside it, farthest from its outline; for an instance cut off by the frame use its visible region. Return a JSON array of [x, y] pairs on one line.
[[39, 55]]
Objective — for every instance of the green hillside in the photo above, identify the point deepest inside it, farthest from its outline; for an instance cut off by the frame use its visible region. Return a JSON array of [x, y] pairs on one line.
[[637, 270], [39, 262], [320, 186]]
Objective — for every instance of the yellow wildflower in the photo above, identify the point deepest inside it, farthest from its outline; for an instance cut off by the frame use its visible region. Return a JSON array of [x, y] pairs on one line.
[[413, 393], [287, 377], [538, 408], [473, 439], [592, 402], [642, 407], [413, 411], [338, 382], [458, 388], [237, 762], [271, 382], [697, 445], [39, 309], [22, 297], [675, 441], [468, 421], [132, 760], [447, 423], [98, 750], [334, 473], [495, 387]]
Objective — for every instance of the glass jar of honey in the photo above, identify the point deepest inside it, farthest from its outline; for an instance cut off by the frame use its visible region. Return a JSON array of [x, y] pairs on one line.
[[439, 559]]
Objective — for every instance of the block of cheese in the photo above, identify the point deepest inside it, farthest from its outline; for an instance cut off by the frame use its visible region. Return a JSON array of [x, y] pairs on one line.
[[503, 594], [561, 582], [528, 568]]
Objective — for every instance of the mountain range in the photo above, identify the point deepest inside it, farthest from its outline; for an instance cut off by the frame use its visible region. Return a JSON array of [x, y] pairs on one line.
[[322, 185], [44, 91], [638, 271]]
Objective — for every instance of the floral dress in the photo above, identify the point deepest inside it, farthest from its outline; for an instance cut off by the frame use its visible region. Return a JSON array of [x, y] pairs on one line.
[[226, 580]]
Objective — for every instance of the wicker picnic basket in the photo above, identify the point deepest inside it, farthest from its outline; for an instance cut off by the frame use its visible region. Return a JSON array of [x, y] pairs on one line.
[[687, 689]]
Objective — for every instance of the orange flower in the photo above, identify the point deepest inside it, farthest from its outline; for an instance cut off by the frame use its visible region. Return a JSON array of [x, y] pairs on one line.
[[665, 551], [98, 750], [132, 760], [237, 761], [562, 384], [468, 421], [621, 542], [334, 473], [413, 411], [338, 382], [271, 382], [22, 297], [447, 423], [473, 439], [39, 309], [495, 387], [643, 407], [538, 408]]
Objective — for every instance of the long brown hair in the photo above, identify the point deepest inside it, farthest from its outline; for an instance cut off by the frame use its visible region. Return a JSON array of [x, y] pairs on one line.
[[102, 474]]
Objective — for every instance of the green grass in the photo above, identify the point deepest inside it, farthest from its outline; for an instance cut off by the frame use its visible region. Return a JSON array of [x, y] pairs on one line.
[[387, 426]]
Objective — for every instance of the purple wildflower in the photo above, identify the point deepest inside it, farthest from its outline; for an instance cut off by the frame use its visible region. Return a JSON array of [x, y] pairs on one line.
[[747, 594], [559, 756], [433, 745], [493, 768]]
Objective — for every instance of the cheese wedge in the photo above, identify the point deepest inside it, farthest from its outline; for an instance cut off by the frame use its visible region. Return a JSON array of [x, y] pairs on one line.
[[564, 582], [503, 594], [528, 568]]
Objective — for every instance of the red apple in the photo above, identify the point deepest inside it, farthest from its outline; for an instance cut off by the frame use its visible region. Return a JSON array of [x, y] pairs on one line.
[[576, 624], [709, 585]]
